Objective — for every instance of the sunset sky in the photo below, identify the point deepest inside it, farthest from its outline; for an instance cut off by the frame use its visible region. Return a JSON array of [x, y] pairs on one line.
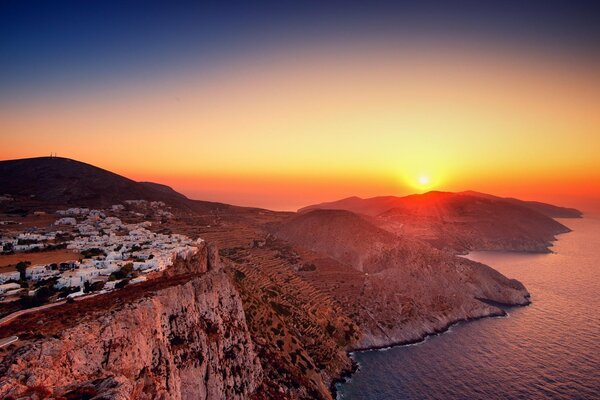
[[280, 106]]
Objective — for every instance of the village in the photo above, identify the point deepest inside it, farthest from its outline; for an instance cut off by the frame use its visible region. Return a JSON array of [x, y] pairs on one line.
[[101, 253]]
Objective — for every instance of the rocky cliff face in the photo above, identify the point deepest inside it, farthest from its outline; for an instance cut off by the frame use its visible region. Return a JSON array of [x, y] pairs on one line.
[[184, 341], [401, 305]]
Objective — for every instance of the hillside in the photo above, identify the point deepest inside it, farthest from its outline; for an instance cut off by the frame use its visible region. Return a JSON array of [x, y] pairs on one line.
[[406, 288], [462, 221], [62, 182], [548, 210], [342, 235]]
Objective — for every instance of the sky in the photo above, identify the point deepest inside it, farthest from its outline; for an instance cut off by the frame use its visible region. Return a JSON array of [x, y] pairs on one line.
[[282, 104]]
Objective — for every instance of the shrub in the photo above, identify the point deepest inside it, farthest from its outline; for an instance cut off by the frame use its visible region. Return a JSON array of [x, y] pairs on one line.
[[89, 253], [122, 273], [92, 287], [122, 284], [238, 275], [280, 308], [41, 296], [330, 329], [307, 267], [65, 291]]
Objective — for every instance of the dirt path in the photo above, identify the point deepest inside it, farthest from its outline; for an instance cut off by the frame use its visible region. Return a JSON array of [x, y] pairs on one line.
[[8, 340]]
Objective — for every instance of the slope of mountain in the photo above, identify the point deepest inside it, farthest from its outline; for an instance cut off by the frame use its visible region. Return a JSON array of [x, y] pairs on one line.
[[63, 181], [549, 210], [461, 221], [344, 236], [167, 190], [54, 182], [372, 206], [406, 288]]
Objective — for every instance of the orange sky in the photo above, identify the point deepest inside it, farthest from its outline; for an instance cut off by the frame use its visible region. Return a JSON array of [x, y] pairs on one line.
[[291, 127]]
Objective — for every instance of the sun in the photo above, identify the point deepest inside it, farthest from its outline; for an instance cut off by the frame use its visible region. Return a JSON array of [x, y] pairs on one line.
[[422, 181]]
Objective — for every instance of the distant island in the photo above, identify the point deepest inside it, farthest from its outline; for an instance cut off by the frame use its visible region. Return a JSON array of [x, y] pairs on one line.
[[113, 288]]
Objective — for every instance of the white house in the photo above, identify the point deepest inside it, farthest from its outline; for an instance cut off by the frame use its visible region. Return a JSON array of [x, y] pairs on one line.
[[9, 286], [66, 221], [7, 276]]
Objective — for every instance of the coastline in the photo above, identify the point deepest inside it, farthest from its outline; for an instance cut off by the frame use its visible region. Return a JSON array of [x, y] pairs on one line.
[[347, 374]]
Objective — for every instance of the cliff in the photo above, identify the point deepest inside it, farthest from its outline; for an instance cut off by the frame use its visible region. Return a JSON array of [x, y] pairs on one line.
[[185, 338]]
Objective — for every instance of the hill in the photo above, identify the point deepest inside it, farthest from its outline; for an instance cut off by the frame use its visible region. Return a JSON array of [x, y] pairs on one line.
[[62, 182], [340, 234], [549, 210], [405, 287], [376, 205], [462, 221]]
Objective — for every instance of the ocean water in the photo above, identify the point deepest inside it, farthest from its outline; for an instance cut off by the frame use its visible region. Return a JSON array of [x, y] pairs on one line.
[[548, 350]]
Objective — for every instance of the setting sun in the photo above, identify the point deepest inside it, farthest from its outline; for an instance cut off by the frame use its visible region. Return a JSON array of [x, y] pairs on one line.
[[423, 180]]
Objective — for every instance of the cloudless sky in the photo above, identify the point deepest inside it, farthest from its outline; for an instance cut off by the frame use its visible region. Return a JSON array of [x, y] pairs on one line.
[[283, 104]]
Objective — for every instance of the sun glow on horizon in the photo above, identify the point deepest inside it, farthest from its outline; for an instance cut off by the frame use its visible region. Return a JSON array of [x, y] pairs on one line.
[[395, 118], [423, 182]]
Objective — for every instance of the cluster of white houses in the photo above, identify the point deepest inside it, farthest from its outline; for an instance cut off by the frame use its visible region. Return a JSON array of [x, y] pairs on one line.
[[28, 241], [107, 245]]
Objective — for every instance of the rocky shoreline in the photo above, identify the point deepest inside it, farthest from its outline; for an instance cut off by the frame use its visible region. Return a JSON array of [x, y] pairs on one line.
[[347, 374]]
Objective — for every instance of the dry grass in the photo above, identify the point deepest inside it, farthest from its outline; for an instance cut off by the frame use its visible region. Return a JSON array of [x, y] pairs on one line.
[[31, 220], [8, 262]]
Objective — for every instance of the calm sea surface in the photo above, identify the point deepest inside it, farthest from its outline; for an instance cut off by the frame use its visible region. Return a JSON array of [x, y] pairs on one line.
[[550, 349]]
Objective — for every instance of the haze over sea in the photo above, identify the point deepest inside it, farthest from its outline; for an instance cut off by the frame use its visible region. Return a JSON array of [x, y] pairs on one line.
[[550, 349]]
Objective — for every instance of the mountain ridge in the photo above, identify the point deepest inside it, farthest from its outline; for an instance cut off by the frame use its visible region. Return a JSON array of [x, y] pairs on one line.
[[462, 221], [376, 205]]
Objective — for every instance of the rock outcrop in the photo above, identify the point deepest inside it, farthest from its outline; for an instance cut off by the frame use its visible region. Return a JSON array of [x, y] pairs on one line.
[[188, 340]]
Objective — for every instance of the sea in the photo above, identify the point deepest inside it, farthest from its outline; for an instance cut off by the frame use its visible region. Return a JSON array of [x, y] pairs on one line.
[[547, 350]]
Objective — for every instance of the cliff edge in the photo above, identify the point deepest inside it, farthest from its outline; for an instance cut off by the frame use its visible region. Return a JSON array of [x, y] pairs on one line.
[[185, 340]]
